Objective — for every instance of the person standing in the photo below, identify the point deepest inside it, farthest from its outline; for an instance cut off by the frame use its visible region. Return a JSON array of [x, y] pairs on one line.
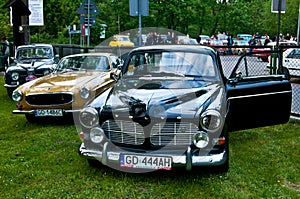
[[198, 38], [5, 51], [229, 43]]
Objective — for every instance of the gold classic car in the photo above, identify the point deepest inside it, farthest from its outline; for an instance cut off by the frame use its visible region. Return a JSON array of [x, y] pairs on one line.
[[77, 79]]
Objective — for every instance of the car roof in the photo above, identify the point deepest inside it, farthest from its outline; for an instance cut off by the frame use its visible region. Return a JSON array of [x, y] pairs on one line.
[[91, 54], [194, 48], [34, 45]]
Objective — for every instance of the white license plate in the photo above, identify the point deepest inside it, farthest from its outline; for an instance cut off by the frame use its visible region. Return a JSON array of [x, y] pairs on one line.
[[48, 112], [146, 162]]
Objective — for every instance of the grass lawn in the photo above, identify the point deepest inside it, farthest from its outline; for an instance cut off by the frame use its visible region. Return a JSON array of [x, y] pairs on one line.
[[41, 161]]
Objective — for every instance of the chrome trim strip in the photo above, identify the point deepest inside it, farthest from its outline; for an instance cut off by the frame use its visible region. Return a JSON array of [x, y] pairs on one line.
[[258, 95]]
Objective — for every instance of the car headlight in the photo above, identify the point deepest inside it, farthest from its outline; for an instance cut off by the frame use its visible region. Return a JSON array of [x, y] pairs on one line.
[[211, 121], [17, 95], [15, 76], [201, 139], [88, 117], [46, 72], [84, 93], [96, 135]]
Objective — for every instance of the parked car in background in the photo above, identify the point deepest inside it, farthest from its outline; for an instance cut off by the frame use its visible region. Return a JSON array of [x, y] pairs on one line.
[[173, 107], [188, 41], [236, 47], [204, 39], [263, 53], [29, 63], [290, 60], [219, 45], [77, 79], [121, 40], [246, 37]]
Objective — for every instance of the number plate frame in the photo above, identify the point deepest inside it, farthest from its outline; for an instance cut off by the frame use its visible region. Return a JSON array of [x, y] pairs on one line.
[[146, 162], [48, 112]]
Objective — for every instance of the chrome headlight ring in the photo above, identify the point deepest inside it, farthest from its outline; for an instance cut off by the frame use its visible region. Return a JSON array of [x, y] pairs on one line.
[[89, 117], [17, 95], [97, 135], [15, 76], [84, 93], [211, 121]]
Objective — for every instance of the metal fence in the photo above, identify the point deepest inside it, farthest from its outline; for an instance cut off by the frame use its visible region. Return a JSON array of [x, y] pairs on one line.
[[260, 60]]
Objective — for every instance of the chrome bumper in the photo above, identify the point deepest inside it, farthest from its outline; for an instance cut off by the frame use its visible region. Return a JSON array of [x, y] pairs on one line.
[[187, 160], [11, 86]]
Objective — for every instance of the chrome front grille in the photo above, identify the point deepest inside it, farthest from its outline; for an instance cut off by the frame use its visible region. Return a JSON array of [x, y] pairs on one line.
[[172, 133], [49, 99], [161, 134], [124, 132]]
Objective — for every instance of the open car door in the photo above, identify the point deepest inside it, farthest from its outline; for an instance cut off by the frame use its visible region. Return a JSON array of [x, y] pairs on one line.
[[255, 98]]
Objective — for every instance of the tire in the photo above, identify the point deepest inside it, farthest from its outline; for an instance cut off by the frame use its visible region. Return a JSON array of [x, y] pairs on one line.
[[224, 167], [9, 92], [94, 163], [30, 118]]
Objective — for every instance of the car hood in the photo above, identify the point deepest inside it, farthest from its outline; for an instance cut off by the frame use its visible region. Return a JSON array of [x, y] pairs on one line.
[[34, 63], [58, 82], [161, 103]]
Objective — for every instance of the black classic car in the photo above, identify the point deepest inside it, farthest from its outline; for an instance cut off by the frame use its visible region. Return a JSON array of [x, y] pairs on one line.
[[174, 107], [30, 62]]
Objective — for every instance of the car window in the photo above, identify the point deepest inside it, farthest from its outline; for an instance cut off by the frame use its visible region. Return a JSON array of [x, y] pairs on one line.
[[172, 64], [247, 66], [295, 54], [85, 62], [34, 53]]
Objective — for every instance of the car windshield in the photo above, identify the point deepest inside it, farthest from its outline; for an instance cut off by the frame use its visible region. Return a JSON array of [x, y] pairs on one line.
[[180, 67], [123, 38], [42, 52], [100, 63]]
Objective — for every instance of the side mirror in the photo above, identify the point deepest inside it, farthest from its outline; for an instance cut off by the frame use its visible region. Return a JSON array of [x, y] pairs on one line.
[[236, 78], [115, 75]]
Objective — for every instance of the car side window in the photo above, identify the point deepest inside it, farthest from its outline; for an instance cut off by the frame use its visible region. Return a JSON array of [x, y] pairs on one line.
[[295, 54], [249, 67]]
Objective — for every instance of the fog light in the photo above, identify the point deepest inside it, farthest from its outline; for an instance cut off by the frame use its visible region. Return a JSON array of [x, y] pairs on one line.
[[96, 135], [201, 139]]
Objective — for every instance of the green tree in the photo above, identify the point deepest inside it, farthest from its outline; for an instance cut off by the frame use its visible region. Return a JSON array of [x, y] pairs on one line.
[[186, 16]]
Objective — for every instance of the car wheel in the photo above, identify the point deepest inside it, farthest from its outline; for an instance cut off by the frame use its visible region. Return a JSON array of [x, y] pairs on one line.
[[264, 59], [9, 92], [225, 166], [30, 118], [94, 163]]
